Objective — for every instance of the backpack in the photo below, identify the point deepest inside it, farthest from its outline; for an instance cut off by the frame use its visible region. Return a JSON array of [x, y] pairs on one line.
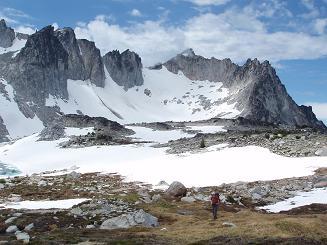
[[215, 199]]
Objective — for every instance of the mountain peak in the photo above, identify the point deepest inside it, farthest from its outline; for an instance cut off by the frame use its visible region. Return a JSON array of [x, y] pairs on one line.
[[3, 24], [7, 35], [188, 53]]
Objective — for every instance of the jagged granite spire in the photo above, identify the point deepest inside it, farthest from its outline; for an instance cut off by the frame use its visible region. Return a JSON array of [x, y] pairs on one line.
[[124, 68], [7, 35], [92, 60], [40, 68], [84, 59]]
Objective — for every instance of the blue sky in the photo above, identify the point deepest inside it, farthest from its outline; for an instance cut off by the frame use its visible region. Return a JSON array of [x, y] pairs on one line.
[[291, 34]]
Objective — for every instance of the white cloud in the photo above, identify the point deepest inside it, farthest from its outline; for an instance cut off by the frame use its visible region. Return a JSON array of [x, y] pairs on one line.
[[235, 33], [25, 29], [208, 2], [136, 13], [320, 25], [320, 109], [313, 11]]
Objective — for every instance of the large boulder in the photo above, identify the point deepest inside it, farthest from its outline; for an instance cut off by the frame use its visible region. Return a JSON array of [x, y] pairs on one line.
[[176, 189], [321, 152], [137, 218]]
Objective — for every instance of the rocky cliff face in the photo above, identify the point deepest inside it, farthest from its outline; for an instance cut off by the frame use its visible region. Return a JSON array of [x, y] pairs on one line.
[[84, 59], [254, 87], [124, 68], [7, 35], [92, 60], [40, 68]]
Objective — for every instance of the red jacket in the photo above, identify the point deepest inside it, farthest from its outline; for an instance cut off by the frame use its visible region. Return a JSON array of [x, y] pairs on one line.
[[215, 199]]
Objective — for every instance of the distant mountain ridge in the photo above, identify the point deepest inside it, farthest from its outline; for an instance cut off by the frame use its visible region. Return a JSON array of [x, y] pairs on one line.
[[53, 64]]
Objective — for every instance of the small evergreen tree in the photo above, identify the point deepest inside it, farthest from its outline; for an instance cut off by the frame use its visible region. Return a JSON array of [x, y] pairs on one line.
[[202, 143]]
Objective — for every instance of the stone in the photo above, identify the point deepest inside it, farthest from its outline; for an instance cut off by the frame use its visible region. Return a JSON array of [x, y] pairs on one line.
[[188, 199], [201, 197], [42, 183], [76, 211], [12, 229], [90, 227], [10, 220], [2, 186], [321, 152], [137, 218], [14, 198], [156, 197], [229, 224], [184, 212], [321, 182], [17, 214], [176, 189], [22, 236], [29, 227], [73, 175]]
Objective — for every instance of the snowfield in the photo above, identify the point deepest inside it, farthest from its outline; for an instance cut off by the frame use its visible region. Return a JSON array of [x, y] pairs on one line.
[[173, 97], [301, 199], [141, 162], [44, 204]]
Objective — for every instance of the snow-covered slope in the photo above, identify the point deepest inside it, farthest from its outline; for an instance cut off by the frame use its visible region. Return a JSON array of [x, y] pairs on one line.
[[163, 96], [17, 124], [18, 44]]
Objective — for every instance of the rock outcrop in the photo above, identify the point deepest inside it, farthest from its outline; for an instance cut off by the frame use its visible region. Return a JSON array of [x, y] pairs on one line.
[[40, 68], [92, 60], [124, 68], [84, 59], [7, 35]]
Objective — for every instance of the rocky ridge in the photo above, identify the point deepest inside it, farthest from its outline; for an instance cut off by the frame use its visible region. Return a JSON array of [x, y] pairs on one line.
[[255, 87]]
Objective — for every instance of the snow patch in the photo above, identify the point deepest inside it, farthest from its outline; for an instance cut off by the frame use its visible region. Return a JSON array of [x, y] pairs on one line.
[[301, 199], [44, 204], [17, 45]]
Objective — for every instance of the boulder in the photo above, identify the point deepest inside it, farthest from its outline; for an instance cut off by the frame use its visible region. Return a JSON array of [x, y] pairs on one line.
[[321, 152], [22, 236], [137, 218], [12, 229], [29, 227], [176, 189], [10, 220], [229, 224], [188, 199], [321, 182]]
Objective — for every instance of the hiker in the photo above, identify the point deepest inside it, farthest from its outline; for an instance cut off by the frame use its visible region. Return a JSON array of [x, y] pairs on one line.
[[215, 201]]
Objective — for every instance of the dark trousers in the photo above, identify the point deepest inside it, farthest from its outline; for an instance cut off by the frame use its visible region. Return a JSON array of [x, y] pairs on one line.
[[214, 210]]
